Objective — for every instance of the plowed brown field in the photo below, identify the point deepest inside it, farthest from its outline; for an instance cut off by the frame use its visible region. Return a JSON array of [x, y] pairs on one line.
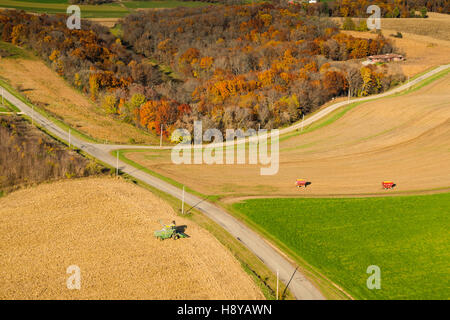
[[105, 227], [404, 138]]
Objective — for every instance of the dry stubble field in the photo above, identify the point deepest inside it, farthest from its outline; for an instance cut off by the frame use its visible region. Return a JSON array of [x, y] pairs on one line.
[[425, 42], [437, 25], [404, 138], [105, 226]]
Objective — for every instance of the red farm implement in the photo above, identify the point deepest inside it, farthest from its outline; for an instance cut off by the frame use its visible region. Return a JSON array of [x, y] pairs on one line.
[[301, 183], [388, 185]]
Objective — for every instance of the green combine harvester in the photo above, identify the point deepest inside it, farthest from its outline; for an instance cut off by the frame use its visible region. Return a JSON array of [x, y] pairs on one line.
[[169, 231]]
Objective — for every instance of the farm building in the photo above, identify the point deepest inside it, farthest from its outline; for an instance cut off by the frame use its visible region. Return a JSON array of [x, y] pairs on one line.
[[386, 58]]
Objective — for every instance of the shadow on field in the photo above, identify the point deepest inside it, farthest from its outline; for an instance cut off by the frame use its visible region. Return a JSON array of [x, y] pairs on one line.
[[182, 229]]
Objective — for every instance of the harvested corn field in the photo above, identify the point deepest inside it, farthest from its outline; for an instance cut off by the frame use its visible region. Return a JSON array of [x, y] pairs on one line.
[[105, 227]]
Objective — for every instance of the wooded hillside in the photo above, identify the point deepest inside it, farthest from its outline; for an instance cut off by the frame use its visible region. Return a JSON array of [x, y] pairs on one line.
[[236, 66]]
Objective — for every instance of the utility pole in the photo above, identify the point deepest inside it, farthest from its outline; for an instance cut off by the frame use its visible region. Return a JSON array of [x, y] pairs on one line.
[[117, 164], [182, 203], [160, 139], [277, 285]]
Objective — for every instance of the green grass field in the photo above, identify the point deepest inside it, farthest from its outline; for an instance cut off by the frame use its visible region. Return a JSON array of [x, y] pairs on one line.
[[107, 10], [164, 4], [407, 237], [111, 10]]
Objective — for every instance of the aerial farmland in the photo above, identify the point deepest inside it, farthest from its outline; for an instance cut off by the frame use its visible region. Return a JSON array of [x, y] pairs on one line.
[[204, 150]]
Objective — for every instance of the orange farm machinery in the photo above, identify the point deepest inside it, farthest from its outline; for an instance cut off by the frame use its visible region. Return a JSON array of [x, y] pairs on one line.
[[388, 185], [301, 183]]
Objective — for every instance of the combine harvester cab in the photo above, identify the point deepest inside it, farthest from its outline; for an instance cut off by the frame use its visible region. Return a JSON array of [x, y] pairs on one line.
[[388, 185]]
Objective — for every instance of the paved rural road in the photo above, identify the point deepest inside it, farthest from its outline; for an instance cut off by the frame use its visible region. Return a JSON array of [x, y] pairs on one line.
[[301, 287]]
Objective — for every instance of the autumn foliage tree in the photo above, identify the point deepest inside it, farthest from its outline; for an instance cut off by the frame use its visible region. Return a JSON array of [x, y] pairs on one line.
[[230, 66]]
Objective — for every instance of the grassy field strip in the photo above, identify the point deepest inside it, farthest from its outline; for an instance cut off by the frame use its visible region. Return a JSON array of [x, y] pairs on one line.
[[327, 120], [59, 5], [109, 10], [87, 11], [164, 4], [8, 106], [407, 237], [426, 82], [15, 52]]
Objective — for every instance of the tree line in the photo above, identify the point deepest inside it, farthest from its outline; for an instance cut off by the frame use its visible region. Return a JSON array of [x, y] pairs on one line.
[[389, 8]]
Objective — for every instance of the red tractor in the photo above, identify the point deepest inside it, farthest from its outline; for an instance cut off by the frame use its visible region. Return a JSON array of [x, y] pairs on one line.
[[301, 183], [388, 185]]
